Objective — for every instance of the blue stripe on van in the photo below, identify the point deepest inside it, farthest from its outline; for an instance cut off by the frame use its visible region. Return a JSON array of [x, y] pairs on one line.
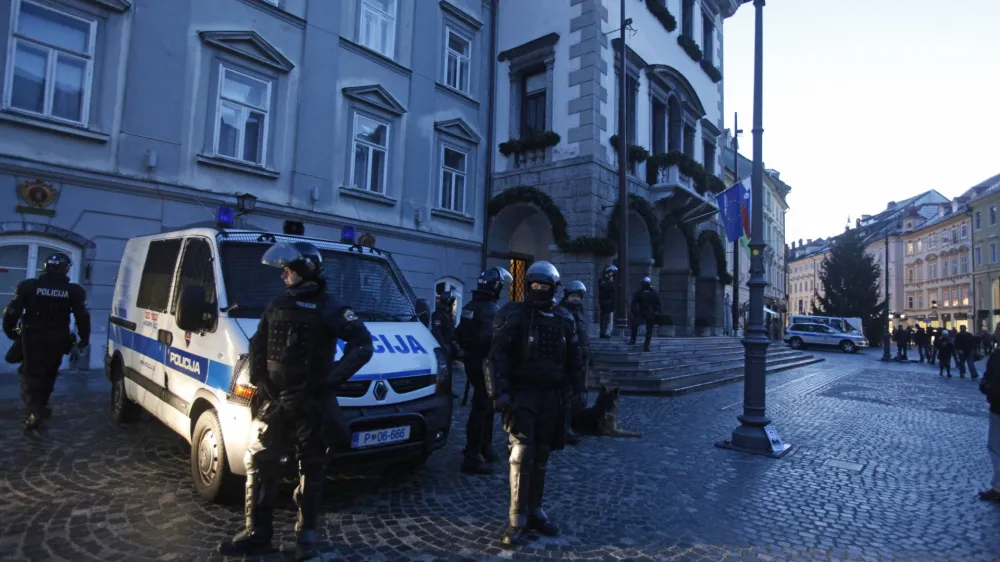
[[216, 375]]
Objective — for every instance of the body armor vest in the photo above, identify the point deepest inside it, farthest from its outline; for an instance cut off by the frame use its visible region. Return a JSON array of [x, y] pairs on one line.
[[540, 356], [298, 347], [47, 312]]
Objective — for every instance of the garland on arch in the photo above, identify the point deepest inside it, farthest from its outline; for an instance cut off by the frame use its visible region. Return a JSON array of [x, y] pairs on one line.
[[644, 209], [711, 238]]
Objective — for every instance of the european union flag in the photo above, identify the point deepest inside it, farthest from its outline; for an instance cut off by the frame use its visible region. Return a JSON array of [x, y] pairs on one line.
[[734, 208]]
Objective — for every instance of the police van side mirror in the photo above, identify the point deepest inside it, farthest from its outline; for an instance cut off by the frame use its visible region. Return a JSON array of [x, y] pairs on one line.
[[424, 311], [193, 313]]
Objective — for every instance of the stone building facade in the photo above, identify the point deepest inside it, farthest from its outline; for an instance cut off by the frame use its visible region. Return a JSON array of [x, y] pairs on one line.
[[555, 188], [984, 203], [937, 268]]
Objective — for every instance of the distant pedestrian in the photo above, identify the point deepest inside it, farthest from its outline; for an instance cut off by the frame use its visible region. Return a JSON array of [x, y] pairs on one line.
[[990, 386], [945, 351], [606, 300], [965, 345]]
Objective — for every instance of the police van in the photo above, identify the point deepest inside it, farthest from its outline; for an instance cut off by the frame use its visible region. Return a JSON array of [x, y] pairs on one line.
[[184, 307]]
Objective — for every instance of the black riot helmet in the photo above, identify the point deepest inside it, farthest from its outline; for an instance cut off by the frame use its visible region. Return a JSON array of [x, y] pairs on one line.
[[576, 287], [493, 279], [545, 273], [610, 271], [58, 264], [646, 282], [301, 257], [446, 300]]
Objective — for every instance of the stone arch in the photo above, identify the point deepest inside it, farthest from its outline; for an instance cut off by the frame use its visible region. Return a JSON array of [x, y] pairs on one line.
[[519, 235], [709, 293], [676, 256]]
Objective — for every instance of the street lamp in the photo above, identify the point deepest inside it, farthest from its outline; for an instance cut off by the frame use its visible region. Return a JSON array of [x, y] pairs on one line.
[[755, 434], [886, 336], [621, 317], [245, 203]]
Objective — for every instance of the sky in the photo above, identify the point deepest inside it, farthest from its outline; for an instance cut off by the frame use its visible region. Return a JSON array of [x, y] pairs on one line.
[[868, 101]]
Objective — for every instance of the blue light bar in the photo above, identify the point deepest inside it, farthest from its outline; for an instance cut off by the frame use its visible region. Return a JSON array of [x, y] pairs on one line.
[[225, 216], [347, 235]]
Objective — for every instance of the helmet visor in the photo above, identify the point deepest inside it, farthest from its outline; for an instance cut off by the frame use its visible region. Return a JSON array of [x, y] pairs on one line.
[[505, 275], [280, 255]]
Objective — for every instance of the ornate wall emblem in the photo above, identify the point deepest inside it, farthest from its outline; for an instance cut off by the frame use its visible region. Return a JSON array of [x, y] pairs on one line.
[[37, 193]]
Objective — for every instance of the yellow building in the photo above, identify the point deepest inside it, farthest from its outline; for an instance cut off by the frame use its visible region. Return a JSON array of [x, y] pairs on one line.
[[804, 267], [937, 267]]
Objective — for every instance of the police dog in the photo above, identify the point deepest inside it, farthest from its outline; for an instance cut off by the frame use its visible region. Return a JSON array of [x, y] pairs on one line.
[[602, 417]]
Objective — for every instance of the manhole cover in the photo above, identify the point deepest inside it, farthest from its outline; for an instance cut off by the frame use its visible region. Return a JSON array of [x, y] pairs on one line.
[[844, 465]]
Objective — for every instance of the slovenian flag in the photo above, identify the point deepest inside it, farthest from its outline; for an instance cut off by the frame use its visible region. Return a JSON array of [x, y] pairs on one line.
[[735, 205]]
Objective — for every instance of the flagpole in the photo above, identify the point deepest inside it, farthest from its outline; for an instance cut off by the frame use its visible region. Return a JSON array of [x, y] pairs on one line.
[[736, 243]]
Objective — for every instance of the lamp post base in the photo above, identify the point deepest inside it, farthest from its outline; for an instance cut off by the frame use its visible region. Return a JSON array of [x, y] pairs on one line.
[[756, 437]]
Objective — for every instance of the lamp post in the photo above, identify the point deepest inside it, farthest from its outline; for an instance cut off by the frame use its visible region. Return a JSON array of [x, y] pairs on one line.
[[755, 435], [886, 336], [621, 317]]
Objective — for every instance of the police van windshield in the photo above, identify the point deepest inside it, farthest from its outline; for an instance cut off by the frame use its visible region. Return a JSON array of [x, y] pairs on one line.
[[366, 283]]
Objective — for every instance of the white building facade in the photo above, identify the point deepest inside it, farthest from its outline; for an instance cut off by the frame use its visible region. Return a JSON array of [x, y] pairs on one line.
[[555, 185]]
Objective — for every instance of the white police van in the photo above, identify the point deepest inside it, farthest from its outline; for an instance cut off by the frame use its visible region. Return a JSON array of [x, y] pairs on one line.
[[184, 306]]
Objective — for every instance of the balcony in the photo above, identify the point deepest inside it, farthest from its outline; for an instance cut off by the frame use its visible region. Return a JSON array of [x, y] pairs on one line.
[[529, 158]]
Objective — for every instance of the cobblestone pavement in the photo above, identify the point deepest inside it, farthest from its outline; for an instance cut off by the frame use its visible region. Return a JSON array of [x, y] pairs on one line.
[[886, 465]]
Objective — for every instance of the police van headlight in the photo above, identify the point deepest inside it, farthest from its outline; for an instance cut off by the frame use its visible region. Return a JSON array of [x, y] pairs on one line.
[[240, 389], [443, 376]]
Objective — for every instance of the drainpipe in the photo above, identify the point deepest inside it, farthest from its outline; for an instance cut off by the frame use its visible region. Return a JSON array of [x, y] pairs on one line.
[[490, 131]]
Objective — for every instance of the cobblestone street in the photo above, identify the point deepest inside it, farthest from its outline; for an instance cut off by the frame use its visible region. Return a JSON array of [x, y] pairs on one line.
[[886, 466]]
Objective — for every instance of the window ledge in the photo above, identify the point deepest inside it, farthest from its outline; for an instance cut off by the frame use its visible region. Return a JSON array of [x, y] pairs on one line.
[[453, 215], [277, 12], [375, 56], [238, 166], [53, 126], [367, 196], [457, 94]]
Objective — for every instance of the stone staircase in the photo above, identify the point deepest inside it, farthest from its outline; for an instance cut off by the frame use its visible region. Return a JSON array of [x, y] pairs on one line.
[[676, 366]]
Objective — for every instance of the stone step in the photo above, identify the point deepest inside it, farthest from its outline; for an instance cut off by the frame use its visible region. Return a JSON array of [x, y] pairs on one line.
[[637, 348], [666, 376], [654, 364], [699, 377]]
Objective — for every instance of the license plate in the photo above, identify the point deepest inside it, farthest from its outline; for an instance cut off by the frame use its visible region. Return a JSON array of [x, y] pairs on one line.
[[375, 437]]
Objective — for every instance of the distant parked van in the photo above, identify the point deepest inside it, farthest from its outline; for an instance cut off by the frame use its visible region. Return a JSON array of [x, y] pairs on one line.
[[185, 304]]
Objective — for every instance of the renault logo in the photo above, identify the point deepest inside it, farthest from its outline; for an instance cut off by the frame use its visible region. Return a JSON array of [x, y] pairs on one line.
[[381, 390]]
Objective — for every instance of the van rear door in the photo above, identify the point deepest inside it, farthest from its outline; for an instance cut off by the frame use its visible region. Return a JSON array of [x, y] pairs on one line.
[[152, 302]]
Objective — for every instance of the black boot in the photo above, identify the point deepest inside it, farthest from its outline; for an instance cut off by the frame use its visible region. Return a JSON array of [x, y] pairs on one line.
[[520, 486], [537, 519], [476, 465], [571, 437], [256, 538], [308, 497], [490, 456]]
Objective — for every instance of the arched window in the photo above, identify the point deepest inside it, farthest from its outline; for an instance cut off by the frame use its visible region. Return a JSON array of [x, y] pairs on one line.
[[450, 284], [23, 257]]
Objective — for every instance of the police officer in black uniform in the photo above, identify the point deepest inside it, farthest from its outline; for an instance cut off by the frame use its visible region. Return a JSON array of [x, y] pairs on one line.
[[573, 303], [443, 325], [645, 306], [475, 332], [291, 364], [606, 298], [529, 369], [43, 306]]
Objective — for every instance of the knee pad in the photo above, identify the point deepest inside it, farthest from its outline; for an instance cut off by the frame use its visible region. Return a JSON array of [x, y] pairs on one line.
[[521, 454]]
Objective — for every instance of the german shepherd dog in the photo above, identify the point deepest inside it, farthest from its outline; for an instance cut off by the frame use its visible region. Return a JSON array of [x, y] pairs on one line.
[[602, 417]]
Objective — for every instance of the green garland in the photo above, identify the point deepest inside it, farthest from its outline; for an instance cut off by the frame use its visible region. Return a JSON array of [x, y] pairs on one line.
[[539, 141], [662, 14], [636, 153], [703, 180], [690, 47], [602, 247], [645, 210], [711, 237], [714, 73]]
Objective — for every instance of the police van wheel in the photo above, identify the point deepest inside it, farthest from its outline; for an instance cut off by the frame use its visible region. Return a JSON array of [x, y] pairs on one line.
[[796, 343], [848, 346], [209, 466], [123, 409]]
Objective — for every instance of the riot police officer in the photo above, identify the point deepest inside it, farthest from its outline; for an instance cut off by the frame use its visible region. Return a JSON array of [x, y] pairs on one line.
[[291, 364], [645, 306], [573, 303], [43, 306], [530, 366], [443, 325], [606, 298], [475, 332]]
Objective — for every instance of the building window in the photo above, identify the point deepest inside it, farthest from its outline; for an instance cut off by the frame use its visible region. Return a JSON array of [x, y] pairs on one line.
[[993, 253], [50, 63], [979, 256], [242, 117], [909, 248], [920, 300], [965, 263], [687, 18], [453, 180], [993, 215], [944, 268], [707, 38], [954, 266], [458, 62], [965, 296], [378, 25], [931, 271], [965, 231], [931, 242], [945, 297], [709, 149], [533, 104], [371, 153], [978, 219], [954, 234], [909, 301], [909, 275]]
